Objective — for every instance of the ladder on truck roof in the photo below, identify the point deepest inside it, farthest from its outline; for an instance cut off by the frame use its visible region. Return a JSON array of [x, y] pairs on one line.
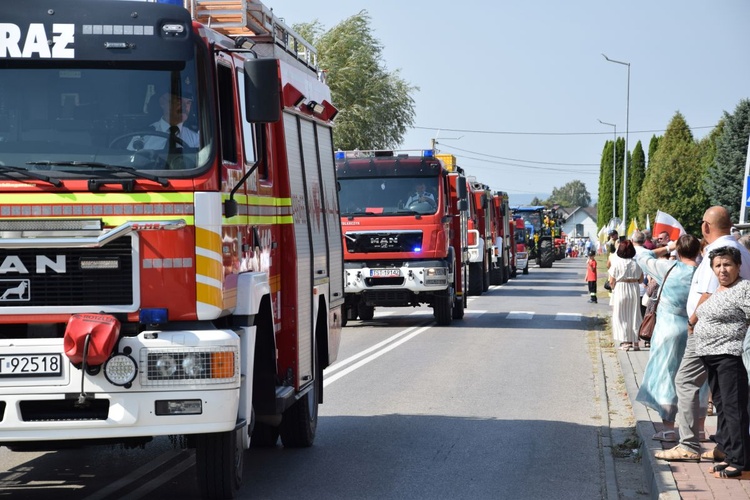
[[251, 18]]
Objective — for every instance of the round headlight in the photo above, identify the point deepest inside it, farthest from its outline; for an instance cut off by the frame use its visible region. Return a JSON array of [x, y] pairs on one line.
[[192, 366], [120, 369], [166, 366]]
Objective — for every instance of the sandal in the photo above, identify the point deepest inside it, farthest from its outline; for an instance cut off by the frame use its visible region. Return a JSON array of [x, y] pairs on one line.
[[728, 474], [715, 455], [626, 346], [665, 436], [717, 468], [678, 454]]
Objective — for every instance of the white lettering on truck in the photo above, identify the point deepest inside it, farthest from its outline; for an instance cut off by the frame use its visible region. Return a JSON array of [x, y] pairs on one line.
[[37, 41]]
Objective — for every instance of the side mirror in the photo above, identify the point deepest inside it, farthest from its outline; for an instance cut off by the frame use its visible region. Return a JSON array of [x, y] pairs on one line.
[[230, 208], [262, 95]]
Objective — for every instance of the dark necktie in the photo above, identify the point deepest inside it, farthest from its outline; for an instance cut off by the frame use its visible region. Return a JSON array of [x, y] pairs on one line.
[[174, 134]]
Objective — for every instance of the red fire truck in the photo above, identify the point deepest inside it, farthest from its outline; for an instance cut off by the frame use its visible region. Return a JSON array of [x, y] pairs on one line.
[[170, 243], [521, 238], [404, 219], [482, 236], [504, 265]]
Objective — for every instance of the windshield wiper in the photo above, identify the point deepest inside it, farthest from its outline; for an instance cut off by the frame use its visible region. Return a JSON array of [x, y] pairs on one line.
[[33, 175], [114, 168]]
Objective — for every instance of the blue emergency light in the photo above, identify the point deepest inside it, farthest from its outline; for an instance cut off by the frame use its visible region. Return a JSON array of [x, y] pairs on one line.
[[172, 2], [428, 153], [340, 155], [153, 316]]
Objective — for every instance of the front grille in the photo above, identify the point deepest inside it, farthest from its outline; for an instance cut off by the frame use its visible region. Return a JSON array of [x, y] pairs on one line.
[[384, 281], [388, 297], [63, 409], [38, 278], [383, 241]]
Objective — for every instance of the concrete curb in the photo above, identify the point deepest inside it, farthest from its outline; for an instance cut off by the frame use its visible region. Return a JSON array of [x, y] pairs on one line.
[[657, 475]]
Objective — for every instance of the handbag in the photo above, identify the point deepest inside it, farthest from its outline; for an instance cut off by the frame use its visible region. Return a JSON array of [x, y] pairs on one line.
[[646, 330]]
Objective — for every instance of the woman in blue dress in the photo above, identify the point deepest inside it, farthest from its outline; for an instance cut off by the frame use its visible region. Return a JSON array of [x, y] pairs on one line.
[[657, 389]]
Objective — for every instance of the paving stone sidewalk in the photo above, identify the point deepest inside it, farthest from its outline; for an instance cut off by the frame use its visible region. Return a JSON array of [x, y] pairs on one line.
[[672, 480]]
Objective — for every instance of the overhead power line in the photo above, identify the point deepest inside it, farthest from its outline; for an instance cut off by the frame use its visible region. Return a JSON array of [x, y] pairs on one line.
[[507, 132], [516, 159]]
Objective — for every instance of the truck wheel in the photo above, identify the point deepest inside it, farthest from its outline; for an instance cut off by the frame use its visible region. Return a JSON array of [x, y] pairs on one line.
[[485, 280], [526, 269], [475, 278], [506, 274], [458, 307], [300, 421], [264, 436], [219, 459], [442, 307], [365, 312], [496, 275], [513, 272], [546, 253]]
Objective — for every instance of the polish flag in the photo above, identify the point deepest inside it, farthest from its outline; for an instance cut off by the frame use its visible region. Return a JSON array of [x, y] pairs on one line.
[[665, 222]]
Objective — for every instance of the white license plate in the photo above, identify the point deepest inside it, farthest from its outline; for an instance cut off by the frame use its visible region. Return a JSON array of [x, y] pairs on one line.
[[385, 273], [30, 365]]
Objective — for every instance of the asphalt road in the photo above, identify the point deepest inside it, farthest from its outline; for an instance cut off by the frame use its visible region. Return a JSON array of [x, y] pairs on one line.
[[503, 404]]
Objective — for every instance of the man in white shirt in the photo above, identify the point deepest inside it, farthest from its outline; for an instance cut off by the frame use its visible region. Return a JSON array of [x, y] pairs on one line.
[[692, 373], [420, 196], [175, 111]]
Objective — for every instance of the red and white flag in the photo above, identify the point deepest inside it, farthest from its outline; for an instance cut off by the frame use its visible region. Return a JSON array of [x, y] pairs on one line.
[[665, 222]]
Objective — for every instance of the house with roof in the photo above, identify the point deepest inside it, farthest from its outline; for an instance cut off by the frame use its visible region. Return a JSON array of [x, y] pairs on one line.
[[580, 224]]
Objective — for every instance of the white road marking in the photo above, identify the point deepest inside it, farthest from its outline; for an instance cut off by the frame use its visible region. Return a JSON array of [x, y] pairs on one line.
[[520, 315], [329, 380], [568, 317]]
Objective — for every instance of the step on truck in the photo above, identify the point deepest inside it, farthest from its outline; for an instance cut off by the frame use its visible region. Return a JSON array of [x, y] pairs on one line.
[[170, 243], [405, 228]]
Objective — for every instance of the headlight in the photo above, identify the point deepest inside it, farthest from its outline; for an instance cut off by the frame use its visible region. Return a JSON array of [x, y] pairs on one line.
[[120, 369], [435, 271], [188, 366]]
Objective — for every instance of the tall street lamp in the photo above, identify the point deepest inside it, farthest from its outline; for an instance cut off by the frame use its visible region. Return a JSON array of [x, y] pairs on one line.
[[625, 168], [614, 167]]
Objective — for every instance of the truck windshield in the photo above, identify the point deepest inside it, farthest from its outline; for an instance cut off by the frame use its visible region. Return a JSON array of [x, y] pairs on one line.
[[115, 114], [388, 195]]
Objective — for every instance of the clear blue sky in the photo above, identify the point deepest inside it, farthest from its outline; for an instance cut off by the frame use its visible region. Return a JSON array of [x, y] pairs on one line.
[[535, 68]]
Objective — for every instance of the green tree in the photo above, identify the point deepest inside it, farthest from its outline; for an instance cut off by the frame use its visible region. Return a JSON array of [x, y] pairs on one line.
[[653, 145], [375, 105], [675, 178], [604, 199], [725, 178], [572, 194], [636, 174]]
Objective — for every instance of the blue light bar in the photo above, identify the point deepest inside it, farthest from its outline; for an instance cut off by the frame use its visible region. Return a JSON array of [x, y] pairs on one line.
[[172, 2], [428, 153], [340, 155], [417, 249], [154, 316]]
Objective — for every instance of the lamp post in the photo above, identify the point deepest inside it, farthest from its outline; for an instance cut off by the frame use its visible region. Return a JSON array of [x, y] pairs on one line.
[[614, 167], [625, 168]]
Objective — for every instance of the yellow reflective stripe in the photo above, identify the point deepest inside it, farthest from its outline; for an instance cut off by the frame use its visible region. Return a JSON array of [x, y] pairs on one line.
[[103, 198], [267, 201], [260, 219], [208, 267], [208, 294], [208, 240]]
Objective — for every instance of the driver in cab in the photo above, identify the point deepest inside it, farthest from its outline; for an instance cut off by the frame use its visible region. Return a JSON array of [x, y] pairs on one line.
[[174, 135], [421, 196]]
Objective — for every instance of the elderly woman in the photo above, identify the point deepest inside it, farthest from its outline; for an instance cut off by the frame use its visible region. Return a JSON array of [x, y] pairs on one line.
[[720, 323], [658, 389], [624, 277]]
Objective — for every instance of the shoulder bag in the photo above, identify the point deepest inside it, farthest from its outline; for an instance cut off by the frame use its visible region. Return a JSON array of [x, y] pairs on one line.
[[646, 331]]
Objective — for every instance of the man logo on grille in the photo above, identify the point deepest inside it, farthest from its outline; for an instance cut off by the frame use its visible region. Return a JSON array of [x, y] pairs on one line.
[[19, 291]]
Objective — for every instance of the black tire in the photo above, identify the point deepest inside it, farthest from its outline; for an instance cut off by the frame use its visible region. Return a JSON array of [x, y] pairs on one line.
[[475, 278], [300, 421], [546, 253], [219, 459], [264, 436], [496, 275], [506, 274], [458, 307], [442, 307], [513, 272], [365, 312], [526, 269]]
